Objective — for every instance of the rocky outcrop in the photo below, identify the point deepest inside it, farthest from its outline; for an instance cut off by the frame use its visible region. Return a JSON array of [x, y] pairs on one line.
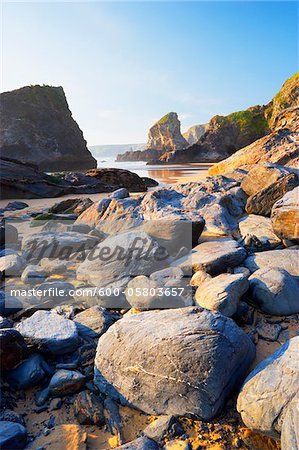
[[164, 136], [193, 134], [284, 101], [281, 146], [20, 180], [224, 135], [37, 127]]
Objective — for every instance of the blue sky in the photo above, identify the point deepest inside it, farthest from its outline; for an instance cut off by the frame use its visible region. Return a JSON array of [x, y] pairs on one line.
[[124, 65]]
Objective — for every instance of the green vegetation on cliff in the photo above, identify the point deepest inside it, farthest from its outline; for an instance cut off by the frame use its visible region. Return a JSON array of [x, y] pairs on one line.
[[250, 119]]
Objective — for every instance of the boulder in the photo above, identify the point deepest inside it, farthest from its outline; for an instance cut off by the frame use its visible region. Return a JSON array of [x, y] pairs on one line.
[[269, 389], [147, 293], [13, 436], [71, 205], [56, 245], [53, 266], [285, 216], [88, 409], [261, 176], [268, 331], [142, 443], [66, 382], [119, 194], [12, 348], [15, 206], [275, 291], [93, 322], [37, 128], [164, 427], [222, 293], [168, 369], [33, 274], [29, 373], [118, 178], [257, 233], [262, 202], [285, 259], [213, 257], [117, 257], [50, 332], [11, 265]]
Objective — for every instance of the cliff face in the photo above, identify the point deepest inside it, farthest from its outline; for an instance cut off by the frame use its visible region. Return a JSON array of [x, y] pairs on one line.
[[281, 146], [193, 134], [223, 136], [165, 135], [287, 97], [37, 127]]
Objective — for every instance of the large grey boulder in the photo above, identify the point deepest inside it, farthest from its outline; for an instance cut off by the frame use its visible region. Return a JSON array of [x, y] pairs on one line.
[[51, 332], [257, 233], [33, 274], [127, 254], [269, 389], [11, 265], [222, 293], [275, 291], [213, 257], [285, 259], [285, 216], [177, 361], [147, 293]]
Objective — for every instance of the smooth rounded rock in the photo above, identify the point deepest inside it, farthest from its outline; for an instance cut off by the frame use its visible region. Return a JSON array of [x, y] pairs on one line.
[[286, 259], [269, 389], [178, 361], [51, 332], [66, 382], [222, 293], [275, 291]]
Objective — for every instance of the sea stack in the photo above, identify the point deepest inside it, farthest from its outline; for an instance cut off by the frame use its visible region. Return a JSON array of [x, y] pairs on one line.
[[37, 127]]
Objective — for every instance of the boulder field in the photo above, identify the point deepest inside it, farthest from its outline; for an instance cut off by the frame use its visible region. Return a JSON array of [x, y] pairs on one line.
[[167, 319]]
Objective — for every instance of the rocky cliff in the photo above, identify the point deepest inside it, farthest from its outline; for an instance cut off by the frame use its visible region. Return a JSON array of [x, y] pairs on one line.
[[37, 127], [193, 134], [164, 136], [281, 146], [223, 136]]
